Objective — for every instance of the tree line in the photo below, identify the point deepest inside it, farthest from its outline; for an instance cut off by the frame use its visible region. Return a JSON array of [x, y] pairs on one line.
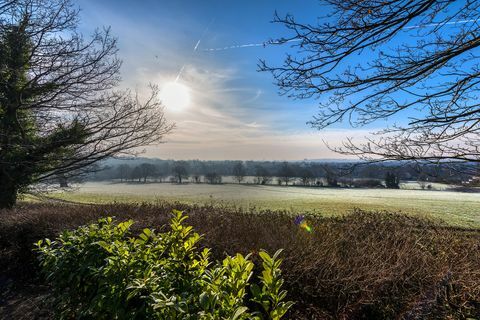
[[332, 174]]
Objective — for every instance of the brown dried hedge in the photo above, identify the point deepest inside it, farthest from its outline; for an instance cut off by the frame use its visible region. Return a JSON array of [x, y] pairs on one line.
[[364, 265]]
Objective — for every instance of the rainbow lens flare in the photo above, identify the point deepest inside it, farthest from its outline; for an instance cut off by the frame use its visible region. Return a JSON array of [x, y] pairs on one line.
[[303, 223]]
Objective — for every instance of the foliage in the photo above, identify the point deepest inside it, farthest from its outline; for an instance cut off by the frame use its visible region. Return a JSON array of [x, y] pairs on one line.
[[362, 265], [99, 271], [60, 112]]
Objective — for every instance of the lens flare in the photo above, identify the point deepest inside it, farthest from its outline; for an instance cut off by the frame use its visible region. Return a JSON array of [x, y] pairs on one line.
[[303, 223]]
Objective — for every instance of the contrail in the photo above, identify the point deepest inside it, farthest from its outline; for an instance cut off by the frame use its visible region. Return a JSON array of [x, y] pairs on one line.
[[267, 43], [440, 23], [179, 73], [248, 45], [194, 49], [196, 46]]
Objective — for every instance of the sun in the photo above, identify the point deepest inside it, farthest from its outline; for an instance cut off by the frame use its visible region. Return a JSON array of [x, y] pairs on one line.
[[175, 96]]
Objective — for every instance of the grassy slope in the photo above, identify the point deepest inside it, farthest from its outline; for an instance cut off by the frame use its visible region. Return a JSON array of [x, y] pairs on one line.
[[455, 208]]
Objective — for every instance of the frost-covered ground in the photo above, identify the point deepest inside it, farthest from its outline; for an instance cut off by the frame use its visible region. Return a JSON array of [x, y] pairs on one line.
[[453, 207]]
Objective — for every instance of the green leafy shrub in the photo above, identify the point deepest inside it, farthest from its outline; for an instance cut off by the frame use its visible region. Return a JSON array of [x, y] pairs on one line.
[[99, 271]]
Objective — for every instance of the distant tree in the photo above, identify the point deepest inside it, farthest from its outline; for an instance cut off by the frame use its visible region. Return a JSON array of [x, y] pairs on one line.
[[162, 170], [262, 175], [422, 181], [330, 175], [180, 171], [239, 171], [213, 178], [136, 174], [392, 181], [147, 170], [285, 173], [197, 169], [370, 171], [373, 60], [306, 175], [123, 172], [58, 111]]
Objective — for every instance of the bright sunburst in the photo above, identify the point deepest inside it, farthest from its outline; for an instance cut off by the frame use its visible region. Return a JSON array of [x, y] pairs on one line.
[[175, 96]]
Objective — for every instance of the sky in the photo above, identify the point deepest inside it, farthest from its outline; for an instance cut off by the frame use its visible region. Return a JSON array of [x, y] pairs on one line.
[[203, 55]]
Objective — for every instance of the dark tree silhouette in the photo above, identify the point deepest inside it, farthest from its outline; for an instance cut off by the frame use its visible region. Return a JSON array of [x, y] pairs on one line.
[[123, 172], [371, 60], [392, 181], [331, 175], [285, 172], [239, 171], [59, 111], [136, 174], [306, 175], [262, 175], [147, 170], [180, 171], [213, 178]]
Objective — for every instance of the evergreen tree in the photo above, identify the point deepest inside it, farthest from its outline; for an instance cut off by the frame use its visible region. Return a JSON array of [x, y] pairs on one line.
[[59, 114]]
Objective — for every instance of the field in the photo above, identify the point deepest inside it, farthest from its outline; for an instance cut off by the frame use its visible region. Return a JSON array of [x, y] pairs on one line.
[[459, 209]]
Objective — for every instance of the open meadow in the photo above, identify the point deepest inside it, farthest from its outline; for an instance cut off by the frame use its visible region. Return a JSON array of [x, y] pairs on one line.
[[455, 208]]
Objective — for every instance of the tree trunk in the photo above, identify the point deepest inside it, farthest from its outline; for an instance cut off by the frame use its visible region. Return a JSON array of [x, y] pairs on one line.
[[8, 192]]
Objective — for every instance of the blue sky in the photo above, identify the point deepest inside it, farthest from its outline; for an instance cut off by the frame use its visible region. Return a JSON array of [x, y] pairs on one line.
[[234, 111]]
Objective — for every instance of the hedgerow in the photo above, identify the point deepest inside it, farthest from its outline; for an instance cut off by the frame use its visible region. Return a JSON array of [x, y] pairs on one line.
[[100, 271]]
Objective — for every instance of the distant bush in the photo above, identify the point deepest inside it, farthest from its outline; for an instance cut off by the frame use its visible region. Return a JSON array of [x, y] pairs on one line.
[[98, 271]]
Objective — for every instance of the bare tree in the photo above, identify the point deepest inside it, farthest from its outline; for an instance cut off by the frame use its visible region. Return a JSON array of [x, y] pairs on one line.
[[285, 173], [59, 111], [180, 171], [373, 60], [262, 175], [213, 178], [123, 172], [147, 170], [239, 171], [136, 174], [331, 175], [306, 175]]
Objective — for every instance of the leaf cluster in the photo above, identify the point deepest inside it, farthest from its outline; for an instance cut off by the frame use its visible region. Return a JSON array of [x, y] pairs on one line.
[[100, 271]]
